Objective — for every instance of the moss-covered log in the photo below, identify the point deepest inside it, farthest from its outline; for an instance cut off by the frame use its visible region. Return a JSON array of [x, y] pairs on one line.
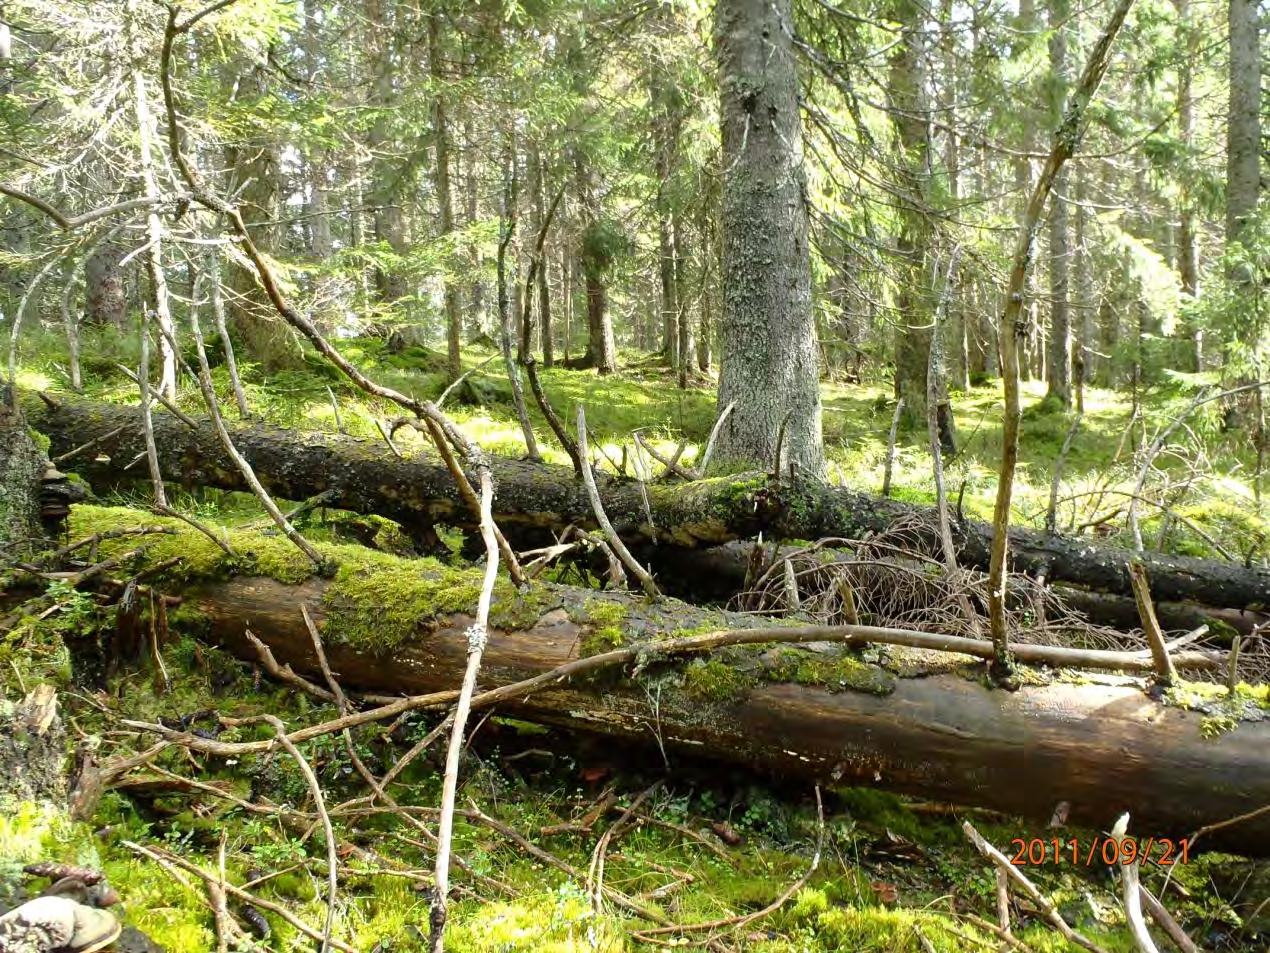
[[1102, 745], [920, 721], [533, 501]]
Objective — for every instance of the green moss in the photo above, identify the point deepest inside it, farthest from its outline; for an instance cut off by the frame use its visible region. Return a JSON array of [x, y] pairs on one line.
[[716, 681], [378, 602], [606, 617], [835, 671], [40, 440]]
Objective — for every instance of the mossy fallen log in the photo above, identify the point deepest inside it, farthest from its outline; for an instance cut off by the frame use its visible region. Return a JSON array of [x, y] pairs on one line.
[[917, 722], [533, 502]]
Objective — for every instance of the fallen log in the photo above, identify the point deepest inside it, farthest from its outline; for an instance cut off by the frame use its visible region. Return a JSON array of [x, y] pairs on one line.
[[919, 721], [1101, 745], [535, 501]]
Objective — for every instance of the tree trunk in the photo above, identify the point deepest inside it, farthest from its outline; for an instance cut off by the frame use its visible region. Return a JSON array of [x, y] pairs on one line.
[[770, 372], [386, 172], [21, 468], [944, 736], [105, 303], [1243, 130], [445, 200], [160, 304], [254, 179], [534, 502], [1059, 358], [594, 258], [1187, 239], [687, 337]]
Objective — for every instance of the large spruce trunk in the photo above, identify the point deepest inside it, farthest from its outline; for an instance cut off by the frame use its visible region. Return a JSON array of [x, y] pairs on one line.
[[770, 363], [533, 502], [1101, 744]]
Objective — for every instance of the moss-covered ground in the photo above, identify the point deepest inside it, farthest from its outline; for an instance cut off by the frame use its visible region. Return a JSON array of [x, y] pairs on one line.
[[894, 875]]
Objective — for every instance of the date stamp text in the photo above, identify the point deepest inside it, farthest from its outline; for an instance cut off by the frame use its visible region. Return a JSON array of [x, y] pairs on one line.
[[1036, 851]]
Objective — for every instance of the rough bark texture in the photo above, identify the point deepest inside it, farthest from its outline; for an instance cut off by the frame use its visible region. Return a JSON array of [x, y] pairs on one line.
[[445, 199], [910, 116], [1243, 130], [767, 333], [533, 501], [21, 466], [32, 751], [105, 303], [943, 735]]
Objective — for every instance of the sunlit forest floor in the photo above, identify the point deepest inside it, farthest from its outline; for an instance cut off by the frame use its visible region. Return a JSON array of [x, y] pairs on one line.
[[893, 875]]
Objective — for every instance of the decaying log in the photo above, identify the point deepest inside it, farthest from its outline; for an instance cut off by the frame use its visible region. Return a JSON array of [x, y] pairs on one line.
[[535, 501], [1101, 745]]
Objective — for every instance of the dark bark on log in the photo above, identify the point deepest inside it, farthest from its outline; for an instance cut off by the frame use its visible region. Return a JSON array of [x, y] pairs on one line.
[[1103, 745], [533, 501]]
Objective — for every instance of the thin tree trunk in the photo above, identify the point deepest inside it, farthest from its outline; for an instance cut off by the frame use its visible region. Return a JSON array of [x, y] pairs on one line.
[[159, 301], [1059, 365], [910, 116], [1243, 155], [687, 339], [445, 200]]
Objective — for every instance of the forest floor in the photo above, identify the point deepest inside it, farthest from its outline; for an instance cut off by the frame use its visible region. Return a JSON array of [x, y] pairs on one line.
[[711, 843]]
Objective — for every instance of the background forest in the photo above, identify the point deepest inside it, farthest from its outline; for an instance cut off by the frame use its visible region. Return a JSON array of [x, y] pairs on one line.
[[761, 254]]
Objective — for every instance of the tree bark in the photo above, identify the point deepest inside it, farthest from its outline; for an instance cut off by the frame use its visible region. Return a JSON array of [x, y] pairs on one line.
[[1059, 371], [21, 467], [770, 371], [944, 735], [445, 198], [910, 116], [1243, 130], [105, 303], [535, 501]]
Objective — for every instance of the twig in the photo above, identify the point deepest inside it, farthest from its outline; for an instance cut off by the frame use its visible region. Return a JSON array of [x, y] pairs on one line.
[[335, 408], [1048, 910], [1165, 921], [738, 922], [1165, 673], [477, 636], [1051, 513], [319, 805], [223, 543], [1066, 140], [1129, 883], [553, 420], [469, 494], [239, 461], [96, 441], [595, 873], [458, 381], [704, 466], [892, 451], [158, 395], [1158, 444], [597, 506], [238, 892]]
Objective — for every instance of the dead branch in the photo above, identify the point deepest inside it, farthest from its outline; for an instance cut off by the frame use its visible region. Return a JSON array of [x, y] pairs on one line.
[[610, 534], [1013, 328], [1048, 910], [739, 921], [477, 635], [1165, 673], [553, 420]]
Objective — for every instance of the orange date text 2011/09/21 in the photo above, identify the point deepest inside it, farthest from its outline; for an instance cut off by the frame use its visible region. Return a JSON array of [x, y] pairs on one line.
[[1098, 850]]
